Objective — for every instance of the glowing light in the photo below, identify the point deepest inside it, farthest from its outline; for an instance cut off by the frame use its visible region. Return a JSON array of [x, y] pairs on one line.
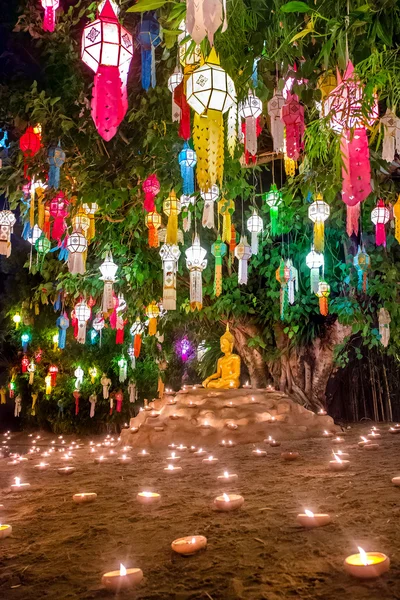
[[337, 458], [308, 513], [364, 558], [226, 497], [122, 570]]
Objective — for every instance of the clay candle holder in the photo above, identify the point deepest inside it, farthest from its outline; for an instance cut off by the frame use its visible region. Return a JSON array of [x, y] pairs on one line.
[[343, 455], [258, 452], [273, 443], [232, 426], [172, 469], [189, 545], [338, 464], [322, 412], [227, 444], [230, 405], [172, 446], [143, 454], [371, 447], [367, 565], [85, 497], [124, 459], [174, 417], [373, 435], [100, 459], [396, 481], [5, 531], [200, 452], [205, 425], [327, 434], [363, 442], [233, 477], [122, 579], [192, 449], [228, 502], [310, 520], [394, 430], [288, 455], [148, 498], [338, 440], [181, 448], [191, 404], [134, 429], [41, 466], [20, 487], [247, 386], [173, 458], [211, 460], [66, 470]]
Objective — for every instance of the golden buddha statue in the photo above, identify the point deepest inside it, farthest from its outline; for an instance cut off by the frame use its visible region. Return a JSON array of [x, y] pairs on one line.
[[228, 367]]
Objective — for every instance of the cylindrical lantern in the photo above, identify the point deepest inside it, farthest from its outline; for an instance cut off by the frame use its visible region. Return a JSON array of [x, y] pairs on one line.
[[274, 199], [151, 187], [318, 212], [153, 223], [196, 262], [243, 254], [255, 226], [380, 216], [77, 247], [152, 312], [82, 315], [187, 161], [90, 210], [108, 270], [169, 256], [314, 260]]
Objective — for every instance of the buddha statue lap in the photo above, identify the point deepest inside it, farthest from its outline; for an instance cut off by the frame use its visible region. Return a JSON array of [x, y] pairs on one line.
[[227, 375]]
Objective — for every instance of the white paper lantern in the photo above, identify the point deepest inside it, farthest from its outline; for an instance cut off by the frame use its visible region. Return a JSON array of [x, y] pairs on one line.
[[255, 226], [243, 254], [196, 262]]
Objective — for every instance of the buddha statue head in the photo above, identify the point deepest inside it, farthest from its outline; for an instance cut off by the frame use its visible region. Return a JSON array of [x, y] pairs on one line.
[[227, 341]]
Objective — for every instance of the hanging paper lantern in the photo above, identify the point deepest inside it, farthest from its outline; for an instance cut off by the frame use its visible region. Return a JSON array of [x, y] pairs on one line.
[[151, 187], [122, 364], [131, 354], [326, 84], [314, 260], [362, 264], [31, 371], [107, 49], [293, 283], [108, 270], [324, 289], [187, 161], [189, 57], [380, 216], [209, 198], [24, 364], [283, 276], [250, 110], [292, 116], [169, 256], [34, 234], [98, 324], [47, 382], [90, 210], [173, 81], [137, 330], [255, 226], [53, 371], [210, 92], [17, 320], [232, 241], [77, 247], [120, 321], [81, 221], [275, 106], [204, 18], [218, 250], [149, 37], [186, 202], [55, 342], [29, 143], [318, 212], [59, 211], [196, 262], [172, 208], [79, 373], [396, 214], [7, 222], [93, 374], [25, 339], [37, 189], [153, 223], [82, 315], [384, 326], [62, 324], [391, 138], [243, 254], [152, 313], [56, 159], [50, 7], [274, 199], [42, 247]]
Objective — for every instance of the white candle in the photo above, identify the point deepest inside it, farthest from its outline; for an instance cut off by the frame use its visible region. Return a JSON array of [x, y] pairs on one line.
[[148, 498], [310, 520], [172, 469], [227, 476], [210, 460], [228, 502], [20, 487]]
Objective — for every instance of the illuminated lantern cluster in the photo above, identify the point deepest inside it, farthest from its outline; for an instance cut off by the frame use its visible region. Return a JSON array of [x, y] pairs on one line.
[[107, 49]]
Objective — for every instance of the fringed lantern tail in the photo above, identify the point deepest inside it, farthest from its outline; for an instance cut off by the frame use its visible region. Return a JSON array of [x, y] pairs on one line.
[[218, 280], [148, 203], [152, 326], [137, 344], [314, 280], [180, 99], [108, 301], [108, 103], [54, 177], [200, 142], [153, 238], [76, 263], [273, 213], [232, 241], [49, 19], [323, 306], [356, 169], [187, 174], [146, 69], [319, 235], [81, 336], [208, 215], [242, 272], [380, 234], [284, 302], [196, 290], [172, 228], [353, 217], [254, 243]]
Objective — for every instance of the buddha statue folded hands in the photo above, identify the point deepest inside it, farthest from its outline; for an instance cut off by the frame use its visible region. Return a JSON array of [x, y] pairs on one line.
[[227, 375]]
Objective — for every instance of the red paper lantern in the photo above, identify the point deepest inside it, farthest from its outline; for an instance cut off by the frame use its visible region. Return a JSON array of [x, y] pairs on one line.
[[53, 370], [29, 144], [24, 363]]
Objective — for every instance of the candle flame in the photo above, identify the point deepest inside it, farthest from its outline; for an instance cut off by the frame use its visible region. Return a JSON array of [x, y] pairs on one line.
[[170, 467], [124, 457], [201, 450], [193, 540], [122, 570], [226, 497], [226, 474], [363, 557], [147, 494], [210, 457], [143, 451], [325, 432], [364, 439], [17, 481], [373, 433], [337, 458], [269, 438], [309, 513]]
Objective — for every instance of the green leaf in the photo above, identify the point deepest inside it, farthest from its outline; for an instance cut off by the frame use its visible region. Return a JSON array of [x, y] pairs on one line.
[[144, 5], [295, 6], [301, 34]]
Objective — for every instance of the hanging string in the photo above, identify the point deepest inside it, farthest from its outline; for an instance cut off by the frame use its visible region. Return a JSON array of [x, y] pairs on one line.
[[243, 232]]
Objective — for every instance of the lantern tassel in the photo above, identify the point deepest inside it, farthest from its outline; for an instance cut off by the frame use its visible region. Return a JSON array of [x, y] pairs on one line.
[[353, 217], [380, 234], [49, 19], [76, 263], [137, 344], [147, 59], [152, 326], [200, 143], [108, 301], [319, 236], [323, 306], [314, 280], [172, 228], [208, 215], [284, 301], [254, 243], [187, 174], [153, 238], [196, 290], [108, 103], [273, 213]]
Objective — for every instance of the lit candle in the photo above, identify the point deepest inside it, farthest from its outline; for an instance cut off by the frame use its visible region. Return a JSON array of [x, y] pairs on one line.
[[84, 497], [172, 446], [124, 459], [288, 455], [134, 429], [273, 419], [322, 412], [394, 430], [205, 425], [342, 455], [171, 402], [189, 545], [173, 469], [229, 405], [247, 385], [338, 464], [258, 452], [367, 565], [273, 443], [173, 458], [122, 579], [363, 442], [154, 414], [338, 440], [228, 502], [229, 476], [192, 449], [200, 452], [18, 486], [373, 435], [13, 462], [210, 460], [371, 446], [309, 519], [232, 426], [181, 448], [5, 531], [100, 459], [191, 404], [327, 434], [144, 454], [42, 466], [174, 417], [66, 470], [148, 498]]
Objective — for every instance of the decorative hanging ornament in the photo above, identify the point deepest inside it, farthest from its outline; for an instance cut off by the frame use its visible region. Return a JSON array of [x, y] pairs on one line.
[[81, 222], [149, 37], [396, 214], [120, 321], [172, 208], [56, 159], [275, 106], [384, 326], [47, 382], [31, 371], [108, 270], [204, 18], [153, 223], [209, 198], [210, 92], [90, 210], [79, 373], [53, 371], [169, 256], [82, 315], [226, 208], [106, 384], [49, 19], [152, 313], [24, 364], [131, 354], [30, 143], [243, 254], [292, 116], [76, 394], [151, 187], [92, 400], [173, 82], [93, 373], [77, 248], [218, 250], [250, 110], [17, 406], [7, 222], [293, 284], [314, 261], [255, 226], [42, 247], [122, 364], [59, 211], [283, 276], [380, 216], [107, 49], [34, 234], [25, 339], [391, 137], [318, 212], [137, 331], [98, 324], [362, 263], [324, 289], [274, 199], [17, 320], [186, 202], [187, 161], [196, 262]]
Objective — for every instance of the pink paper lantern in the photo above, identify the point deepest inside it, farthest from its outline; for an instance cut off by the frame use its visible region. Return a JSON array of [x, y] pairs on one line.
[[380, 216], [49, 19], [292, 115]]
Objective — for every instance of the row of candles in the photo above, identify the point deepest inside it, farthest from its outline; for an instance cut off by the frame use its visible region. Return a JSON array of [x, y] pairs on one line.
[[362, 565]]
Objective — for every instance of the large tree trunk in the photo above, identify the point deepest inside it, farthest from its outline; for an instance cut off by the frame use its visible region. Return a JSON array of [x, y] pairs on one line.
[[252, 357]]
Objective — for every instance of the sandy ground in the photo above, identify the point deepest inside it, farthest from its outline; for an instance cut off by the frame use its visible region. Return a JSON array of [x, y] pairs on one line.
[[59, 550]]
